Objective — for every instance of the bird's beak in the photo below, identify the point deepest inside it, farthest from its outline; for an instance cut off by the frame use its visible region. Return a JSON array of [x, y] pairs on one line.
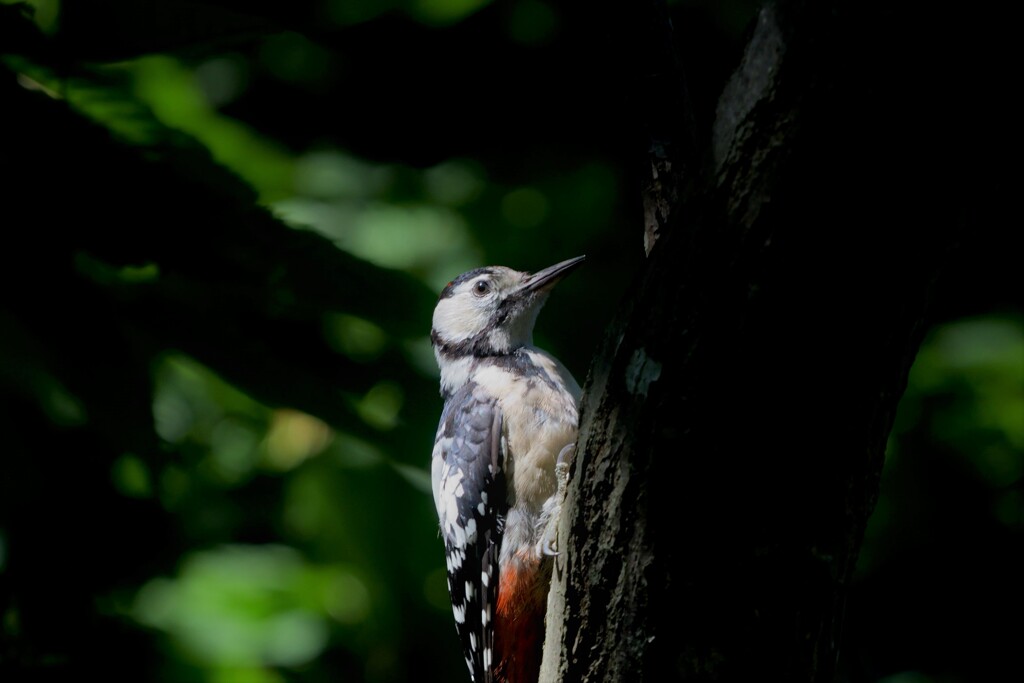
[[544, 280]]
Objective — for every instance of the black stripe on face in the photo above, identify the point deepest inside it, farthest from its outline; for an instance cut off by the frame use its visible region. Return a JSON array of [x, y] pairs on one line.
[[449, 289], [478, 345]]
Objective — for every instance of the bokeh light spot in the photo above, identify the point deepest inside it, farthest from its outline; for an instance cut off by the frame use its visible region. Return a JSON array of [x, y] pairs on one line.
[[420, 353], [532, 21], [294, 638], [331, 174], [978, 365], [443, 12], [61, 406], [453, 183], [223, 79], [348, 598], [435, 590], [402, 237], [293, 437], [296, 59], [233, 450], [357, 338], [172, 92], [174, 486], [241, 606], [381, 405], [355, 453], [45, 14], [1008, 508], [526, 207], [131, 477]]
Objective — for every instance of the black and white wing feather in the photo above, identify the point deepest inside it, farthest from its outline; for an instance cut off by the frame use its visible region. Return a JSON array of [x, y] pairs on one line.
[[469, 492]]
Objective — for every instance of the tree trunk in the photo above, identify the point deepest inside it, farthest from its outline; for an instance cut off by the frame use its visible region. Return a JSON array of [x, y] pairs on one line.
[[735, 422]]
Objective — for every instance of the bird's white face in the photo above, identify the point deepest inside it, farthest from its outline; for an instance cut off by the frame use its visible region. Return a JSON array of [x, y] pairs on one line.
[[488, 312], [486, 302]]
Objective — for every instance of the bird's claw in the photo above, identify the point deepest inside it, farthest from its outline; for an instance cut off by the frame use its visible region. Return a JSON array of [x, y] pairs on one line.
[[562, 468], [563, 455], [549, 543]]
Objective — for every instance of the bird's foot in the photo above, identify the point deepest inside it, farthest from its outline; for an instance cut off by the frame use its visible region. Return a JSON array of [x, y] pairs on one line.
[[553, 506]]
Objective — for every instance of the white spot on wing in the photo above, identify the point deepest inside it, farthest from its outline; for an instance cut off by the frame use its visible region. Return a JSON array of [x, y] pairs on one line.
[[451, 483], [455, 560]]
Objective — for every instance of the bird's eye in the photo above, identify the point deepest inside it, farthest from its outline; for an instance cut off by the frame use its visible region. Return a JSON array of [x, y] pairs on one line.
[[481, 287]]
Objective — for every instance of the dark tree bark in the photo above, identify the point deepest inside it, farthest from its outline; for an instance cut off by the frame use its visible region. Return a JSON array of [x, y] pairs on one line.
[[734, 424]]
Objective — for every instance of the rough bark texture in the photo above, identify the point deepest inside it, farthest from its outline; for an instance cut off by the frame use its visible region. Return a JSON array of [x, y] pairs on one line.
[[734, 425]]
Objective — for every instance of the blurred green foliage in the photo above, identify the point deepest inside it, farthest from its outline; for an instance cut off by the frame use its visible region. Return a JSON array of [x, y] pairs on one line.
[[965, 400], [216, 429], [941, 550], [264, 507]]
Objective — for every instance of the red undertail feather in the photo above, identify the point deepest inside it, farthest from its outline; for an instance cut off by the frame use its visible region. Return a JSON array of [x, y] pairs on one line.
[[519, 623]]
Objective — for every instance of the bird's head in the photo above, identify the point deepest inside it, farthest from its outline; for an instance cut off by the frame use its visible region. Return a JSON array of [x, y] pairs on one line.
[[491, 311]]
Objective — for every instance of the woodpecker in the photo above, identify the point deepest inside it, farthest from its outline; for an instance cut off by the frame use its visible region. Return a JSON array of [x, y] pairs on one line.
[[499, 464]]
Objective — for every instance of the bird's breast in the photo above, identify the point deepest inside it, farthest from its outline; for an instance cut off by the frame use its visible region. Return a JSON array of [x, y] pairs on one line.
[[539, 405]]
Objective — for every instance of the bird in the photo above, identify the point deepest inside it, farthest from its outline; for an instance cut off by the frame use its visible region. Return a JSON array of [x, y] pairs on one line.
[[499, 464]]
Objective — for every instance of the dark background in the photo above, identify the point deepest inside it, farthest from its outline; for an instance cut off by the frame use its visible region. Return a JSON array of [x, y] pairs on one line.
[[224, 228]]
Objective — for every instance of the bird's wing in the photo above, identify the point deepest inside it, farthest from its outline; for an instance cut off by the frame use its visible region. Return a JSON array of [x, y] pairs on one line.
[[469, 492]]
